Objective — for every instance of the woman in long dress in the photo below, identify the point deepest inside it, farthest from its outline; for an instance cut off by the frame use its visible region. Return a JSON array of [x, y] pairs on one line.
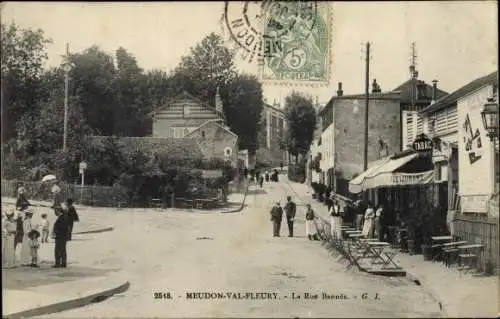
[[368, 224], [8, 247], [25, 246], [310, 226]]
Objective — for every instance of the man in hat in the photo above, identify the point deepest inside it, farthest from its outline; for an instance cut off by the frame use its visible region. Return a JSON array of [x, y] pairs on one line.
[[276, 217], [290, 209], [21, 202], [60, 234]]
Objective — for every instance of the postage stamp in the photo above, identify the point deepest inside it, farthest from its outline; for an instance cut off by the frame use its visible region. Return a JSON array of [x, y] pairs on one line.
[[289, 40], [304, 55]]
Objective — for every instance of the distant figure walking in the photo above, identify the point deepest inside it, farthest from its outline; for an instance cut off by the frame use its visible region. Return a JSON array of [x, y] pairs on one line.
[[261, 181], [276, 217], [60, 235], [281, 165], [290, 209], [267, 176], [25, 246], [19, 229], [8, 245], [368, 224], [311, 230]]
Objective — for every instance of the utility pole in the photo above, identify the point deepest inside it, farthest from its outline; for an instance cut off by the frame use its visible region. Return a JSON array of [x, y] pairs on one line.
[[66, 89], [413, 74], [367, 93]]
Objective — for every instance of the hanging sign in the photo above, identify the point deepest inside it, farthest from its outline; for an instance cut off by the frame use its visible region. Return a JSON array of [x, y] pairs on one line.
[[423, 144]]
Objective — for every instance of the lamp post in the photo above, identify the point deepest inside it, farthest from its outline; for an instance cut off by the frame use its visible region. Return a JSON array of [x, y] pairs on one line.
[[490, 118], [490, 123]]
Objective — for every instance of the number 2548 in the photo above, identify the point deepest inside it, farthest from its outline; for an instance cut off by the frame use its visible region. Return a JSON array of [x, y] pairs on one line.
[[162, 295]]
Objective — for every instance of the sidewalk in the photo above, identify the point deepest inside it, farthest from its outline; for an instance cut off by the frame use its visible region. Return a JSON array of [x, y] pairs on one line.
[[460, 295]]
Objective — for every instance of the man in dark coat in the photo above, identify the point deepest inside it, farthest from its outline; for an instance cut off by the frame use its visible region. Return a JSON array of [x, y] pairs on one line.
[[22, 202], [60, 234], [290, 209], [276, 217]]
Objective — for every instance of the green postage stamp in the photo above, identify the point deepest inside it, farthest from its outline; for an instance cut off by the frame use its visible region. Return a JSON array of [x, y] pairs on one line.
[[297, 43], [290, 40]]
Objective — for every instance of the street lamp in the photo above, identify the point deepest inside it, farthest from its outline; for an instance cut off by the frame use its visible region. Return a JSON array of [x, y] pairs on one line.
[[490, 118]]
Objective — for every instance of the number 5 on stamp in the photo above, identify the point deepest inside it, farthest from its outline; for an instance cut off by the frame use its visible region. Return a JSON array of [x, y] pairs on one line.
[[304, 50]]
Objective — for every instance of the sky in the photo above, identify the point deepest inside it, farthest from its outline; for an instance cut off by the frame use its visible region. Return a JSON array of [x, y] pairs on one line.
[[456, 42]]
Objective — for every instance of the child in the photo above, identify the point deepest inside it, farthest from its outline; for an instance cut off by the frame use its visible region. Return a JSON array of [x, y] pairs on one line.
[[45, 229], [34, 244]]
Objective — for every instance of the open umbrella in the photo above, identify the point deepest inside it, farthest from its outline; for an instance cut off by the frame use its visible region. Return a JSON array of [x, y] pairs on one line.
[[48, 178]]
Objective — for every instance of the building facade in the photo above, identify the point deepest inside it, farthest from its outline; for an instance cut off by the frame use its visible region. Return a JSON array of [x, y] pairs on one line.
[[273, 126], [183, 114], [342, 139]]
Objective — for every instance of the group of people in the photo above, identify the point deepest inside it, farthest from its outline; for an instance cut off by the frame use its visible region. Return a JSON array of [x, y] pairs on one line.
[[289, 211], [260, 177], [22, 229], [371, 221]]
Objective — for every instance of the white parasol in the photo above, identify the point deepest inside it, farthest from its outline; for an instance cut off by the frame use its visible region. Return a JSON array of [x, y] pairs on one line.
[[48, 178]]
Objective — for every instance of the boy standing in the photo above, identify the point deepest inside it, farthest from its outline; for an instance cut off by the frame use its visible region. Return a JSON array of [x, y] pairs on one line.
[[34, 245], [45, 229]]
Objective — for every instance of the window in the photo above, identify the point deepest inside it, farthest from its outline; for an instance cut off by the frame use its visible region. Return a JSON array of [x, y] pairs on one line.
[[178, 132], [203, 134]]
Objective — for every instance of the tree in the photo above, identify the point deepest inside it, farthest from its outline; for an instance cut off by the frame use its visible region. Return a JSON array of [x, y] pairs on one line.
[[243, 108], [208, 65], [133, 102], [301, 123], [93, 80], [23, 55]]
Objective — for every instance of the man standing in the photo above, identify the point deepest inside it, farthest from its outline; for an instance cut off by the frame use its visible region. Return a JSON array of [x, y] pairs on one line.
[[290, 209], [276, 217], [60, 234]]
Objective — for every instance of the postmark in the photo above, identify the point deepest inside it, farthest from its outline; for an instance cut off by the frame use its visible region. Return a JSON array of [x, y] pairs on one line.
[[257, 27]]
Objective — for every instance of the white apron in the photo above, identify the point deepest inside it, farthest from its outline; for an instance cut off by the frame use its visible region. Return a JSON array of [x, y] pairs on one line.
[[25, 246], [310, 227], [336, 227], [8, 250]]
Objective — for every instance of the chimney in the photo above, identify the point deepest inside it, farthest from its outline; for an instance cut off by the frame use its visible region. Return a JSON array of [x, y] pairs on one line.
[[375, 87], [218, 102], [434, 90], [340, 92]]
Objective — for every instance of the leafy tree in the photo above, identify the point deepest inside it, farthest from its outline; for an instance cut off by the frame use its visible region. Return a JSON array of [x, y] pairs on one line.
[[133, 102], [208, 65], [301, 119], [243, 108], [23, 55], [93, 81]]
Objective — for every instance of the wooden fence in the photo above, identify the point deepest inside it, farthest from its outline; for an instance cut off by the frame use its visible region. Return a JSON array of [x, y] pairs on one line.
[[105, 196], [481, 230]]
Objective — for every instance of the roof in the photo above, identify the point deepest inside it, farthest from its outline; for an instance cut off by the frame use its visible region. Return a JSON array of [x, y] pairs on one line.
[[189, 147], [451, 99], [216, 122], [371, 96], [186, 96], [405, 91]]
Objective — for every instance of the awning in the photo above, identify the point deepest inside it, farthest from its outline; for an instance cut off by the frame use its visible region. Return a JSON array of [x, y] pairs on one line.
[[384, 175], [356, 184]]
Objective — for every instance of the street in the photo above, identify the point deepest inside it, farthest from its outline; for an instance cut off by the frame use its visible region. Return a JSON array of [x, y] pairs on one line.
[[234, 268]]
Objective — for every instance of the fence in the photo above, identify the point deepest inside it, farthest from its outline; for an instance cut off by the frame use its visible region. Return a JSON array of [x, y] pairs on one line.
[[105, 196], [484, 231]]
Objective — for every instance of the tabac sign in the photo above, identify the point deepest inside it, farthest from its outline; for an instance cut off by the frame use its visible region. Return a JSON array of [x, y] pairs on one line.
[[422, 144]]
